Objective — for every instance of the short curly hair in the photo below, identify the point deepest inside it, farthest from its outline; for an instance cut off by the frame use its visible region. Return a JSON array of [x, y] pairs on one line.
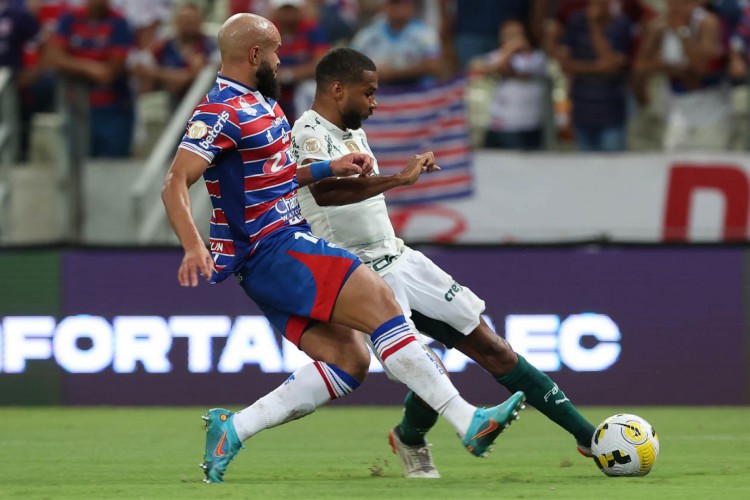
[[342, 65]]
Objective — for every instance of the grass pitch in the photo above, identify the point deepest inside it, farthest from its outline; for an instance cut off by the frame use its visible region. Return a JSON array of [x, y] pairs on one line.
[[343, 453]]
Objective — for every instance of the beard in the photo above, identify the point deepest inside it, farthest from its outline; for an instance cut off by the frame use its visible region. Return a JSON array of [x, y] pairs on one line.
[[351, 119], [268, 85]]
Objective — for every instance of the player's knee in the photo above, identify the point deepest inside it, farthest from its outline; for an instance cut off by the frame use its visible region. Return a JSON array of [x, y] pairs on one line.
[[384, 300], [500, 359], [380, 296], [491, 352], [357, 365], [355, 359]]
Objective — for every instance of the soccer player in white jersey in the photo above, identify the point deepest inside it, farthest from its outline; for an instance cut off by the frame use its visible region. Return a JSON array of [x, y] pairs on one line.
[[351, 212]]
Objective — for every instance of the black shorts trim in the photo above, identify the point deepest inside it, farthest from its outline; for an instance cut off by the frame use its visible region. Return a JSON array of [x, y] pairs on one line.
[[436, 329]]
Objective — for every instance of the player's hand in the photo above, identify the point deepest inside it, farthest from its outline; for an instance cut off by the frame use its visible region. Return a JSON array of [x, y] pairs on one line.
[[430, 166], [352, 164], [196, 261], [416, 166]]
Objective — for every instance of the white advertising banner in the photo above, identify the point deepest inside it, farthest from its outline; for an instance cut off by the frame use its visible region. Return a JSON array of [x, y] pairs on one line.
[[550, 198]]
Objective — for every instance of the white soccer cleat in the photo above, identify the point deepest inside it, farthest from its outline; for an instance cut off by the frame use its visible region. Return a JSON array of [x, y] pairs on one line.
[[415, 460]]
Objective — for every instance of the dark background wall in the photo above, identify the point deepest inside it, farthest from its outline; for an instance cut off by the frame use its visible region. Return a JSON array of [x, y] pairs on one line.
[[680, 313]]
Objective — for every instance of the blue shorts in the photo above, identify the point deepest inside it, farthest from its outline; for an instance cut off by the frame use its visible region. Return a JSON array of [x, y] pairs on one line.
[[295, 278]]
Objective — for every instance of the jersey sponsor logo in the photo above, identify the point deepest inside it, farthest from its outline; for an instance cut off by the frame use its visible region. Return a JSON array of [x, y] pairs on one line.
[[452, 291], [215, 130], [381, 263], [276, 163], [312, 145], [288, 210], [352, 146], [197, 130]]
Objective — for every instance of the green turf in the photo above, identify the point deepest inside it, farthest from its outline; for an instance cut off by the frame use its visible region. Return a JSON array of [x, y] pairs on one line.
[[343, 453]]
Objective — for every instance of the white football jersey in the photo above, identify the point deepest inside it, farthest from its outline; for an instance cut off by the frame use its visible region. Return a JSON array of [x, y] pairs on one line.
[[364, 228]]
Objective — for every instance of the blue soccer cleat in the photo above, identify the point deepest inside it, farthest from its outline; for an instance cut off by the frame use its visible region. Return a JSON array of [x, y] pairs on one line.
[[222, 444], [488, 423]]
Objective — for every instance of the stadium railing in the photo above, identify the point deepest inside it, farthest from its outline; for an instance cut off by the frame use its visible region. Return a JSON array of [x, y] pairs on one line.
[[150, 220], [8, 145]]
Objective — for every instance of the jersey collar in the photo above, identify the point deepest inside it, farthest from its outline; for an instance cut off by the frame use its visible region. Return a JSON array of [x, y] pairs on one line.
[[234, 84], [330, 126], [239, 87]]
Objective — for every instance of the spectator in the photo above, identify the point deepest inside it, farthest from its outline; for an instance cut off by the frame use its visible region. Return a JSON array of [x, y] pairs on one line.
[[405, 49], [38, 81], [91, 46], [18, 30], [729, 11], [303, 44], [472, 24], [637, 11], [18, 27], [338, 18], [260, 7], [516, 108], [145, 17], [686, 45], [594, 53], [179, 59], [739, 56]]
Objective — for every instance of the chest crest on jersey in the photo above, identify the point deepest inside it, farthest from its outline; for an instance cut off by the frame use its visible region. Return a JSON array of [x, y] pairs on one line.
[[312, 145], [247, 107], [352, 146]]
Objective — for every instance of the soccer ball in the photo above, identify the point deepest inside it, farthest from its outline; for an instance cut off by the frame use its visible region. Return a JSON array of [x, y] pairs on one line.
[[625, 445]]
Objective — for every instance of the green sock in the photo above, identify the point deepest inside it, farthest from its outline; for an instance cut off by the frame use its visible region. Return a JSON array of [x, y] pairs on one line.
[[418, 419], [544, 395]]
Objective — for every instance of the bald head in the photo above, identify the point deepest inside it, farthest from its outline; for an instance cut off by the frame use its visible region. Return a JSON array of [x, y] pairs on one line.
[[241, 32]]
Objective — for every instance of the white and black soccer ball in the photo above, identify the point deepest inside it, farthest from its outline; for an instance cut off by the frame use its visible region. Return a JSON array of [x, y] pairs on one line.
[[625, 445]]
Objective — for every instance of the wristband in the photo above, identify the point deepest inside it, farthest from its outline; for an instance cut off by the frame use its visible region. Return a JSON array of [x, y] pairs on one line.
[[321, 170]]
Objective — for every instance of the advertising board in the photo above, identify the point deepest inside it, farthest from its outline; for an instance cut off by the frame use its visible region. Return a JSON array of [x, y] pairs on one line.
[[619, 326]]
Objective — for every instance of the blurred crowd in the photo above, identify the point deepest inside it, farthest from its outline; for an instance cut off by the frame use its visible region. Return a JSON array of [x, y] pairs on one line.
[[549, 74]]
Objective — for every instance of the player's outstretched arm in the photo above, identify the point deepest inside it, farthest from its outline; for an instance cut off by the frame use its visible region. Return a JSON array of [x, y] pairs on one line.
[[352, 164], [347, 190], [185, 170]]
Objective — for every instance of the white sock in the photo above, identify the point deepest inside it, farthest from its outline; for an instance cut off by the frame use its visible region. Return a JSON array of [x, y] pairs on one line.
[[418, 369], [305, 390]]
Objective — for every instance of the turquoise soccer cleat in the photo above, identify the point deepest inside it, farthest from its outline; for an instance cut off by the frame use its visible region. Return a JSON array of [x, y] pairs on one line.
[[488, 423], [222, 444]]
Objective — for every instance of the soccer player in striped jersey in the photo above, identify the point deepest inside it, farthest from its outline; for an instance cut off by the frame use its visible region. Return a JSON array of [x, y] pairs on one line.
[[314, 293], [351, 212]]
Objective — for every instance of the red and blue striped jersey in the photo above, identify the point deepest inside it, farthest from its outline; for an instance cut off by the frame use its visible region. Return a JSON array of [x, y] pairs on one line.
[[251, 176]]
